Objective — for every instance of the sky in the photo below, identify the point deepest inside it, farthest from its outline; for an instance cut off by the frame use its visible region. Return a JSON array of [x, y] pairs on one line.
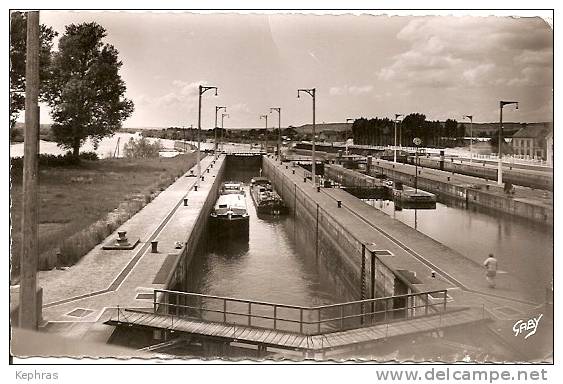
[[361, 66]]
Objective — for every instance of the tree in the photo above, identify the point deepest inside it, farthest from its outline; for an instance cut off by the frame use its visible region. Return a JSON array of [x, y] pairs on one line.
[[141, 148], [85, 91], [18, 46], [451, 128]]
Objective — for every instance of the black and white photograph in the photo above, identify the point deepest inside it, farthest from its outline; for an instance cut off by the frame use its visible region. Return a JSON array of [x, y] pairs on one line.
[[282, 186]]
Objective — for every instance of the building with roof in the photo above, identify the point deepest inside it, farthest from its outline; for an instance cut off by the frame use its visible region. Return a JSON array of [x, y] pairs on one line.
[[532, 140]]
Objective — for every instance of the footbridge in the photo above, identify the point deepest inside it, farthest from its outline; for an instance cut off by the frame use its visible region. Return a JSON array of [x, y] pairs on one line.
[[310, 330]]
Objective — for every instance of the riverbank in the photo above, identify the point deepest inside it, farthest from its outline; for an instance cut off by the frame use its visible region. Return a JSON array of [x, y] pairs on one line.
[[79, 204]]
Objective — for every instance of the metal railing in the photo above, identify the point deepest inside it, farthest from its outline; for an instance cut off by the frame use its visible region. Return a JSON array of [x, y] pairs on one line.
[[299, 319]]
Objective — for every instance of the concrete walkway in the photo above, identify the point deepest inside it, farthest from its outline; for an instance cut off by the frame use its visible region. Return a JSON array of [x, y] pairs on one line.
[[77, 300], [417, 252]]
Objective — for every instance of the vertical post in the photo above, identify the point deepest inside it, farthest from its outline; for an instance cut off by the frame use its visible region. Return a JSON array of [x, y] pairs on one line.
[[300, 320], [249, 312], [471, 141], [319, 320], [317, 234], [499, 177], [372, 284], [275, 315], [314, 158], [154, 301], [445, 298], [426, 305], [279, 133], [28, 316], [363, 282], [395, 146], [341, 317], [224, 310], [199, 136]]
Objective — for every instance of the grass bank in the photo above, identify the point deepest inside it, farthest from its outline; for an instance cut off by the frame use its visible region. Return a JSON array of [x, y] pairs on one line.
[[80, 205]]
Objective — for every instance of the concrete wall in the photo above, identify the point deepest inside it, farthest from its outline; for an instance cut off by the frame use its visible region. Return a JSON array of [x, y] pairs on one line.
[[196, 236], [470, 194], [511, 175], [337, 251]]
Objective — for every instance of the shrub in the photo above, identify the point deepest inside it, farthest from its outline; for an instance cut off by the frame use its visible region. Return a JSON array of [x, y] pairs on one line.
[[141, 148]]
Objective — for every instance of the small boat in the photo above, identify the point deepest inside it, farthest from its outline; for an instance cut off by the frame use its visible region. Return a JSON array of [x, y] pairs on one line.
[[229, 216], [267, 201]]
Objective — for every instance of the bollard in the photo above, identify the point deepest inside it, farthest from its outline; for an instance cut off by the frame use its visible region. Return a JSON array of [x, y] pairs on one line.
[[304, 179], [195, 188], [154, 246], [207, 170], [202, 178], [293, 171], [448, 178], [211, 165], [287, 167], [185, 201], [339, 203], [433, 273], [318, 188]]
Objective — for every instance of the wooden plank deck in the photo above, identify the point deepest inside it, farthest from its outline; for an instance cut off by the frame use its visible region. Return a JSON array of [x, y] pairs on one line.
[[289, 340]]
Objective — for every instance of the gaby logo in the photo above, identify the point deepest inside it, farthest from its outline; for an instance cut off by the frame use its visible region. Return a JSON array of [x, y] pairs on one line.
[[530, 326]]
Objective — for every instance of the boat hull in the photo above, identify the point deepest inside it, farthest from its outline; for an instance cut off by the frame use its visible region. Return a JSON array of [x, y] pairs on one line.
[[222, 227]]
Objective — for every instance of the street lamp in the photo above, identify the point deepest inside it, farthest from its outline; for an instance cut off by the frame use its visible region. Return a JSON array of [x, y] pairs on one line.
[[500, 139], [223, 115], [416, 141], [202, 90], [266, 135], [278, 110], [470, 117], [217, 109], [397, 115], [311, 92], [346, 138]]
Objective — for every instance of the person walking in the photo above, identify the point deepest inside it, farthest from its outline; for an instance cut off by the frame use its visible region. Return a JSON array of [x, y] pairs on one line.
[[491, 267]]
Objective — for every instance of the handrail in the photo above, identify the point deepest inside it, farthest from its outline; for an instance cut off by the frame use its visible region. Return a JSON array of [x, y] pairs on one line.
[[257, 302], [353, 314]]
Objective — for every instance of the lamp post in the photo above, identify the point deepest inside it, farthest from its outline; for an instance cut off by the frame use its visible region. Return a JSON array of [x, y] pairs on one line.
[[223, 115], [311, 92], [202, 90], [346, 138], [278, 110], [266, 134], [500, 139], [397, 115], [416, 141], [217, 109], [470, 117]]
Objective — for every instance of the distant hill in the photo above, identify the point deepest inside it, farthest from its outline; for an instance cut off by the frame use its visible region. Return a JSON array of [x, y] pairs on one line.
[[41, 126]]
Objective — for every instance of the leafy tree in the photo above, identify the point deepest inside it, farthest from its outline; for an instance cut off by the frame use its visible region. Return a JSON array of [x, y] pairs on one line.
[[141, 148], [451, 128], [18, 46], [85, 90]]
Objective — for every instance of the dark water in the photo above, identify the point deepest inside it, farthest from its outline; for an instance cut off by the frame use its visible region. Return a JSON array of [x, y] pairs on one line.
[[268, 266], [524, 249], [273, 265]]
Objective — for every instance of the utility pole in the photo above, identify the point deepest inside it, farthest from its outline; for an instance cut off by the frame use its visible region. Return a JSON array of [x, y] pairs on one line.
[[312, 93], [28, 315], [470, 117], [278, 110], [500, 139], [397, 115], [202, 90], [217, 109], [184, 132], [222, 130], [347, 134], [266, 135]]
